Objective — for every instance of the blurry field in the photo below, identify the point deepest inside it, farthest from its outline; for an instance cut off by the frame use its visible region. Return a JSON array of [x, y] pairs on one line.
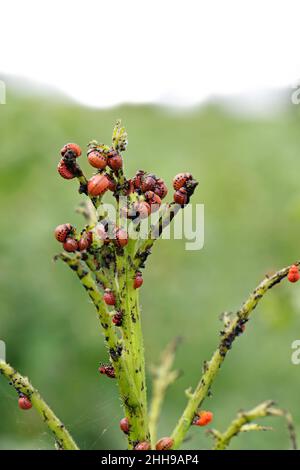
[[249, 182]]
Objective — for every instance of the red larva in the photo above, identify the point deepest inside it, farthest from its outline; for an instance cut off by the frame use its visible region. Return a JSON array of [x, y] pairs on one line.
[[121, 238], [124, 425], [102, 370], [142, 446], [117, 319], [24, 403], [161, 189], [130, 187], [62, 231], [97, 159], [181, 197], [148, 183], [138, 280], [85, 241], [203, 418], [153, 199], [180, 180], [89, 236], [114, 161], [74, 148], [293, 274], [109, 297], [83, 244], [97, 185], [64, 171], [165, 443], [107, 370], [137, 180], [111, 183], [70, 245], [110, 372]]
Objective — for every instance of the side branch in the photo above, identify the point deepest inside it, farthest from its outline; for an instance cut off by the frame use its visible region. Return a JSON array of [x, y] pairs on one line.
[[22, 385], [163, 377], [234, 328], [90, 286], [244, 423], [156, 231]]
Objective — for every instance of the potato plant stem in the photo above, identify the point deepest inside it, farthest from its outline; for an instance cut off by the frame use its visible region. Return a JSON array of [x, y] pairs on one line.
[[132, 337], [130, 397]]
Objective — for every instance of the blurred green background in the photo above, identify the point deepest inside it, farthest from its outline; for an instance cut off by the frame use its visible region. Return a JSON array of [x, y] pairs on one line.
[[248, 169]]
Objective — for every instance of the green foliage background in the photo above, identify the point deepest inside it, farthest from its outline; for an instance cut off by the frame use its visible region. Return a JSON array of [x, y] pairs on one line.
[[248, 171]]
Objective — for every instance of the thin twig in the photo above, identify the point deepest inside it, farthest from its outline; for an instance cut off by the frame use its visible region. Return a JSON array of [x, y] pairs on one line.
[[22, 385], [87, 209], [289, 422], [244, 423], [155, 233], [163, 377]]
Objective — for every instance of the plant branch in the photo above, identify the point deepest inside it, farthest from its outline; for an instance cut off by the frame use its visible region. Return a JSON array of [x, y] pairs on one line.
[[241, 424], [87, 209], [22, 385], [289, 422], [232, 330], [90, 286], [163, 377], [156, 231]]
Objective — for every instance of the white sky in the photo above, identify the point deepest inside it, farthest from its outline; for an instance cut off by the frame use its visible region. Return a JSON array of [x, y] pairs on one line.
[[106, 52]]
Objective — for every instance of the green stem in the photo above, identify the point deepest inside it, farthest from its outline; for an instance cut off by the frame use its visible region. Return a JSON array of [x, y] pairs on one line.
[[22, 385], [241, 424], [165, 219], [234, 329], [163, 377], [99, 274], [132, 339], [130, 399], [122, 305], [138, 346]]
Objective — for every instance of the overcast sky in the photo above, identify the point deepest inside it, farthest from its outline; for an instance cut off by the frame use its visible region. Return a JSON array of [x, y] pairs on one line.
[[103, 53]]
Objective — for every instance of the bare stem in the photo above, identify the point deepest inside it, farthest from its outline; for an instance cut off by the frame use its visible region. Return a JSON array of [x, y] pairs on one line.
[[145, 249], [88, 210], [163, 377], [22, 385], [232, 330], [242, 424]]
